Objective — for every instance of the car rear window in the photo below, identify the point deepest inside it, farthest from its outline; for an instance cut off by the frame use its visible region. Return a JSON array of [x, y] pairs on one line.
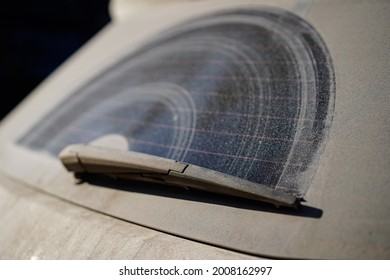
[[249, 93]]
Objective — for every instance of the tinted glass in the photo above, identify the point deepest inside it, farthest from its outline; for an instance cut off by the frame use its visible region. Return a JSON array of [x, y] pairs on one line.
[[247, 93]]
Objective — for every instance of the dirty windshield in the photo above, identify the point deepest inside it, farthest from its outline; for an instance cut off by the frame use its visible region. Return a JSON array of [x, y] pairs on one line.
[[246, 93]]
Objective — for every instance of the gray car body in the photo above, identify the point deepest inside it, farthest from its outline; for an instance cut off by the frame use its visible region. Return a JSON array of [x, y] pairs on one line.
[[46, 214]]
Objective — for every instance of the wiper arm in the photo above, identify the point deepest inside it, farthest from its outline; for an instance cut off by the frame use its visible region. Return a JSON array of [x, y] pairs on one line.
[[87, 159]]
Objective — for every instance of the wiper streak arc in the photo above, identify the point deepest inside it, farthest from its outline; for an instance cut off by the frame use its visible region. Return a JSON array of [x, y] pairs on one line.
[[87, 159]]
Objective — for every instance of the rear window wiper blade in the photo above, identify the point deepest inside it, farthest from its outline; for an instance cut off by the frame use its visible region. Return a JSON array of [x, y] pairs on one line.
[[82, 159]]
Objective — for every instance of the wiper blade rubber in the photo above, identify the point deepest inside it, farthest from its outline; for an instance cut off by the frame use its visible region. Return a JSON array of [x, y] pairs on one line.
[[88, 159]]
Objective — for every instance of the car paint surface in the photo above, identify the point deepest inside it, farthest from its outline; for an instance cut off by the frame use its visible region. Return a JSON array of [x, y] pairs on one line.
[[346, 213]]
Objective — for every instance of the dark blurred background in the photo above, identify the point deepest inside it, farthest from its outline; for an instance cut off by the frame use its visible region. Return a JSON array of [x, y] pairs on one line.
[[37, 36]]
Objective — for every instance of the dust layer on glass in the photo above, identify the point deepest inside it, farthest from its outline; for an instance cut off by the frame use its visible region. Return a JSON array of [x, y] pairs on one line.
[[249, 93]]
